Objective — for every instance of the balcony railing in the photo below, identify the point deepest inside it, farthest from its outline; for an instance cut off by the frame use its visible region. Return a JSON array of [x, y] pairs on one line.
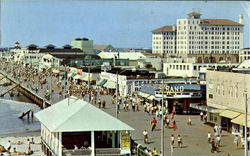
[[87, 152]]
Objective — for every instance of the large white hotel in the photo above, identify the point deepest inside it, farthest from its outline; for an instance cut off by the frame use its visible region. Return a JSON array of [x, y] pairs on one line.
[[209, 40]]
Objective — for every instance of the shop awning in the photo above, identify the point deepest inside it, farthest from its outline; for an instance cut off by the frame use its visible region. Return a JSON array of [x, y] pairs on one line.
[[229, 114], [145, 95], [81, 78], [110, 85], [157, 99], [205, 108], [101, 82], [151, 97], [85, 78], [76, 76], [240, 120]]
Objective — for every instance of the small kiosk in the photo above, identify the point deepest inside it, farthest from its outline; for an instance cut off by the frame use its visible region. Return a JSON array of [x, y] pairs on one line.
[[76, 127]]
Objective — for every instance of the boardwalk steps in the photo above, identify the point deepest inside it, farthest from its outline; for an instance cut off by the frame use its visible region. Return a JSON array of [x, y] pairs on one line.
[[27, 113]]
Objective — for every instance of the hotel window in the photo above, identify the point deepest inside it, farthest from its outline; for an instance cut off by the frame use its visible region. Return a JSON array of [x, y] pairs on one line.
[[231, 91], [177, 67], [195, 67], [222, 89], [236, 92]]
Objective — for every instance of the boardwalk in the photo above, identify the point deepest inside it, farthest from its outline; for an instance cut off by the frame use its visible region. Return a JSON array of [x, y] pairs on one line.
[[194, 137]]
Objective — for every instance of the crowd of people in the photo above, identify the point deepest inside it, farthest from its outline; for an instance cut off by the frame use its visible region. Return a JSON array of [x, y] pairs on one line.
[[10, 148]]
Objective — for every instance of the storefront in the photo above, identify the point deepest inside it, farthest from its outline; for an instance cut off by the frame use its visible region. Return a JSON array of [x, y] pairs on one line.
[[212, 113], [226, 117], [238, 124]]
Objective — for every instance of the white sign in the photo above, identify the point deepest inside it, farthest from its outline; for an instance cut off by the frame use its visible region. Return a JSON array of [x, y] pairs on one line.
[[175, 89]]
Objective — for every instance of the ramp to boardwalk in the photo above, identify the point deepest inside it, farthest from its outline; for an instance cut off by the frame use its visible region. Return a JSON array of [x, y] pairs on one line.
[[8, 89]]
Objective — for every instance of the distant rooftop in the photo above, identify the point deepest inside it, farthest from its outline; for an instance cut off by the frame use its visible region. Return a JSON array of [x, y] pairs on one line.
[[219, 22], [164, 29]]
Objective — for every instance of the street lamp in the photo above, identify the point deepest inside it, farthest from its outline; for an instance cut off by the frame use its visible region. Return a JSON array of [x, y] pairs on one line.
[[162, 120], [89, 84], [116, 99], [246, 123]]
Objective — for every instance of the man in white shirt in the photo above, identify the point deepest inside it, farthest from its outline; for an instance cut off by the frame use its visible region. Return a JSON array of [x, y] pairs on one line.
[[209, 136], [145, 134], [218, 141]]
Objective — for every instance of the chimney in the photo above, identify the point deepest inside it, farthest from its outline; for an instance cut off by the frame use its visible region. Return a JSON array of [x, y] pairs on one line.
[[173, 27], [240, 18]]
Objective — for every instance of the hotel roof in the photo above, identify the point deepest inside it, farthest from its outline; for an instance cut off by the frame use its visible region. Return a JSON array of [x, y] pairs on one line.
[[164, 29], [219, 22], [78, 116]]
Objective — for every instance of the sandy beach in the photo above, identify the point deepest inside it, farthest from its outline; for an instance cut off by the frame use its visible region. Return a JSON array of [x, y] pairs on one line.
[[36, 148]]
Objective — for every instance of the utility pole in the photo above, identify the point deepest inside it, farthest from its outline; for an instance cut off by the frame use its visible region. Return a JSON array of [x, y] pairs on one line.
[[89, 84], [162, 120], [246, 123], [116, 91]]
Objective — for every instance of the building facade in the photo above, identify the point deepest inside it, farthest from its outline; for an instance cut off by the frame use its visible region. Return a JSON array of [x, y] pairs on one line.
[[226, 92], [244, 54], [191, 69], [213, 39], [164, 40], [83, 44]]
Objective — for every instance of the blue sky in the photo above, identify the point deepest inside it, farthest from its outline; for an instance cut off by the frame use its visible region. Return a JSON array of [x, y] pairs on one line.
[[120, 23]]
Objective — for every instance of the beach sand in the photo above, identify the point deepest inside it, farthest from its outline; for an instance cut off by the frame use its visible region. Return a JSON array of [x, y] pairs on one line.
[[23, 147]]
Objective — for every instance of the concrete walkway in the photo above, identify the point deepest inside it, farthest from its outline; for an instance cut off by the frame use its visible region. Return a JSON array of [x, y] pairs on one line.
[[194, 137]]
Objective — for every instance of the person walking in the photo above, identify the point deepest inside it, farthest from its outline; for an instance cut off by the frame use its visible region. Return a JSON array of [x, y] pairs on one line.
[[153, 124], [103, 103], [155, 151], [172, 140], [214, 149], [236, 141], [99, 103], [215, 129], [189, 121], [145, 134], [220, 130], [218, 139], [209, 137], [242, 142], [179, 139], [201, 115], [133, 106]]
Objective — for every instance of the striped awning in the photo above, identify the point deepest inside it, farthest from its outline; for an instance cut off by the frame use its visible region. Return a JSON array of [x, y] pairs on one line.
[[229, 114], [240, 120], [101, 82], [76, 76], [110, 85]]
